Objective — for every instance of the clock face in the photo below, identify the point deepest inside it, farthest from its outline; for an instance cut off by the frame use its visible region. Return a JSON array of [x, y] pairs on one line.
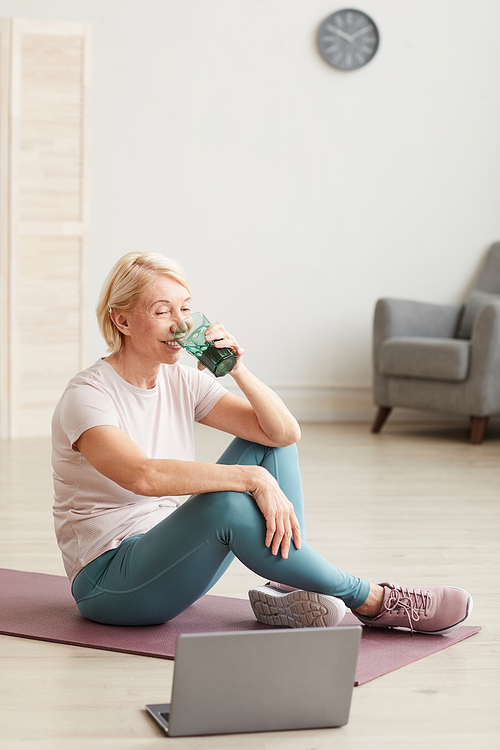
[[348, 39]]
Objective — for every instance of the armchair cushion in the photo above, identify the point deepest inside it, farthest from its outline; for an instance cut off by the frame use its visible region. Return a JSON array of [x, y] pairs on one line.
[[429, 358], [477, 300]]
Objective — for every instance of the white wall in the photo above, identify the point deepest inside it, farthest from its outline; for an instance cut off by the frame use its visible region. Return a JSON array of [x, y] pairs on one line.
[[294, 195]]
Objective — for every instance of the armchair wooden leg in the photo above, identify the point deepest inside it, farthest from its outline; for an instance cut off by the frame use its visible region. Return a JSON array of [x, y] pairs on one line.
[[477, 429], [380, 418]]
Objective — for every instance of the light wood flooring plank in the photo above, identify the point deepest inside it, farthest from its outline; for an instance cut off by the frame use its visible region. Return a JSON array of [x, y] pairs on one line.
[[416, 504]]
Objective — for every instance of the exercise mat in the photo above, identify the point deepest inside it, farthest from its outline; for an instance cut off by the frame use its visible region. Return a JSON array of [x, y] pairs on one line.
[[39, 606]]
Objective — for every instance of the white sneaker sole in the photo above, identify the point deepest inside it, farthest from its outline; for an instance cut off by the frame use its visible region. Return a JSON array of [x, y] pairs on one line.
[[295, 609]]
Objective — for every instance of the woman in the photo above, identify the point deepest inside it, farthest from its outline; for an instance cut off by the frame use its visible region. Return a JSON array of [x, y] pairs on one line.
[[123, 452]]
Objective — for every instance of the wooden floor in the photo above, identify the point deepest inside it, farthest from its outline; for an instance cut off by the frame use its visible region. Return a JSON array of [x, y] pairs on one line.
[[416, 504]]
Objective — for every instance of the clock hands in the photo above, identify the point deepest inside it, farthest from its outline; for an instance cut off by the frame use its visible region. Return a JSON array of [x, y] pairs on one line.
[[351, 38], [364, 30], [341, 33]]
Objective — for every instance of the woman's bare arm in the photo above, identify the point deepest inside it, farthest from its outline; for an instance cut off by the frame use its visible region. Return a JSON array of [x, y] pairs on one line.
[[261, 416], [117, 457]]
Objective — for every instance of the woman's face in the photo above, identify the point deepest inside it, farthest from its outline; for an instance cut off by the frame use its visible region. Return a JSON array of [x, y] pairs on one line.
[[150, 325]]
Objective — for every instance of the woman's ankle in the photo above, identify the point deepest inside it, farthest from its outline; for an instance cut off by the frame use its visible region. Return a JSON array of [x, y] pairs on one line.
[[373, 604]]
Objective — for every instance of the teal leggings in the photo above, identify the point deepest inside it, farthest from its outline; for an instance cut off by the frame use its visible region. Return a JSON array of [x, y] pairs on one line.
[[151, 578]]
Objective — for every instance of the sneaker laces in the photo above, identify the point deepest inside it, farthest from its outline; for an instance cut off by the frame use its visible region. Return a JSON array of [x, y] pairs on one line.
[[412, 602]]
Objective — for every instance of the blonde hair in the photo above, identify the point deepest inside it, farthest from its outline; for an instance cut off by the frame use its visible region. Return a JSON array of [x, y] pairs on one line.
[[126, 282]]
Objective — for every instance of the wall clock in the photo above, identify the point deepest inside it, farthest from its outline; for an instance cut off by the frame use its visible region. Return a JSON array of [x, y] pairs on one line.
[[348, 39]]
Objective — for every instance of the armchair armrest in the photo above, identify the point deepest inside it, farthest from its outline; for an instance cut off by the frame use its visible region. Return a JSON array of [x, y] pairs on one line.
[[483, 385]]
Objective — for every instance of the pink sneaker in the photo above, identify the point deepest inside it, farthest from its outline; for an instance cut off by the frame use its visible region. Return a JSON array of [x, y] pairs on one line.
[[433, 610], [296, 608]]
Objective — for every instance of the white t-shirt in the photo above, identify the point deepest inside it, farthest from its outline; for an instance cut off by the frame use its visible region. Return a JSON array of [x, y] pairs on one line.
[[93, 514]]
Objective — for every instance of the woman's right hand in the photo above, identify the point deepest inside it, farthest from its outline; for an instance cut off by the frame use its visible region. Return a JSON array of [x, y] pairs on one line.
[[281, 522]]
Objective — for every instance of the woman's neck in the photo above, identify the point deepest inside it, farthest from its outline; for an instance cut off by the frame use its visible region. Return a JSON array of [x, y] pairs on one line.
[[133, 370]]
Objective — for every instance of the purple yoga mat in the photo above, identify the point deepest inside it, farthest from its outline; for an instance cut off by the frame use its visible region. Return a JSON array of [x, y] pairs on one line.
[[39, 606]]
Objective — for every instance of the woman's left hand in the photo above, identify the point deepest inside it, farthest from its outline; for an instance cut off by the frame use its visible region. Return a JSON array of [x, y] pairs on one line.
[[217, 334]]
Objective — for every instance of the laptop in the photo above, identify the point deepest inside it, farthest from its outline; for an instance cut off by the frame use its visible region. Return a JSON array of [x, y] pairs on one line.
[[260, 681]]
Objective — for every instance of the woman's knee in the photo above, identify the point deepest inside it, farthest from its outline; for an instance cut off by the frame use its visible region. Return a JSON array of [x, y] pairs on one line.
[[291, 452], [229, 514], [228, 504]]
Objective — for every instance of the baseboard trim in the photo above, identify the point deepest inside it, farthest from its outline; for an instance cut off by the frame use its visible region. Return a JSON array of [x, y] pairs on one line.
[[346, 404]]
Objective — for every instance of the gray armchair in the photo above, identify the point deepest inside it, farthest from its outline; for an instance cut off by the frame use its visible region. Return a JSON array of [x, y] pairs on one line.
[[441, 357]]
